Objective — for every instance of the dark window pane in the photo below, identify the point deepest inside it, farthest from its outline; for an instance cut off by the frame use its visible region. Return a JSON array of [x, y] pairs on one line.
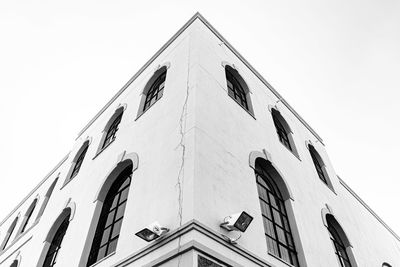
[[276, 228], [204, 262], [55, 245], [236, 90], [111, 218], [155, 92], [106, 236], [116, 229], [120, 211], [113, 246]]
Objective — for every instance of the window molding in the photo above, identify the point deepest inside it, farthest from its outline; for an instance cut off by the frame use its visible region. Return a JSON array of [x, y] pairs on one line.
[[157, 73]]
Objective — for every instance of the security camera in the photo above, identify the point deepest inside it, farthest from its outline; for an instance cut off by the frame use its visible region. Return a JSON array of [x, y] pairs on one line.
[[237, 222], [152, 231]]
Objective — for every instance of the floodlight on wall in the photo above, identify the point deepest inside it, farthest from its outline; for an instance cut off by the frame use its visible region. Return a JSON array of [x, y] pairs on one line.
[[237, 222], [152, 231]]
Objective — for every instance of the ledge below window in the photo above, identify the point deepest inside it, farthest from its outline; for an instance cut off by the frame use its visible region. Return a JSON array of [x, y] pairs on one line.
[[102, 259], [103, 148]]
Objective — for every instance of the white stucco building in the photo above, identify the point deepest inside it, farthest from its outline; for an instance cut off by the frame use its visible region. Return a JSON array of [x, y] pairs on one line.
[[194, 136]]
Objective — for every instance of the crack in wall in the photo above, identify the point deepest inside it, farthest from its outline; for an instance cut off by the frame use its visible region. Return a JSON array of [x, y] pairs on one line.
[[181, 173]]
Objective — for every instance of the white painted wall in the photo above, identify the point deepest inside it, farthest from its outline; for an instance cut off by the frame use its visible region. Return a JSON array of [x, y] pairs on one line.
[[216, 179]]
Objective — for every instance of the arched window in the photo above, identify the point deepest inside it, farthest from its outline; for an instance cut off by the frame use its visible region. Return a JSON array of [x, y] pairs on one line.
[[112, 131], [340, 243], [385, 264], [46, 199], [283, 131], [55, 245], [112, 213], [237, 88], [77, 162], [27, 216], [9, 233], [277, 230], [153, 90], [318, 163]]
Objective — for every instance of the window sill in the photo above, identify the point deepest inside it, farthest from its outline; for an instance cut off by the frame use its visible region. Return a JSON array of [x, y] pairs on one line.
[[248, 112], [326, 185], [103, 259], [143, 112], [102, 149], [291, 151], [281, 260], [67, 182]]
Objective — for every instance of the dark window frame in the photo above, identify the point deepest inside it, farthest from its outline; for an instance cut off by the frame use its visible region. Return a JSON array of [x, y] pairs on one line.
[[340, 248], [55, 245], [155, 92], [112, 131], [112, 206], [317, 165], [28, 217], [282, 132], [78, 163], [275, 219], [236, 90]]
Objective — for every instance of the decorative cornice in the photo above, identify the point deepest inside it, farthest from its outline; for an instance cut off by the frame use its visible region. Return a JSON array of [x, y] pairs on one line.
[[192, 225]]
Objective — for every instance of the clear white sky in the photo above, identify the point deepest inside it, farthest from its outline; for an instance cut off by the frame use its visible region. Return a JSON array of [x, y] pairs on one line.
[[336, 62]]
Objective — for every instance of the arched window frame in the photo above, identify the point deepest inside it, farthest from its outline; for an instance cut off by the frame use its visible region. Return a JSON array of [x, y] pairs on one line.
[[9, 233], [66, 216], [125, 160], [77, 161], [283, 131], [28, 216], [111, 128], [319, 166], [46, 199], [330, 221], [287, 197], [154, 89], [237, 88]]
